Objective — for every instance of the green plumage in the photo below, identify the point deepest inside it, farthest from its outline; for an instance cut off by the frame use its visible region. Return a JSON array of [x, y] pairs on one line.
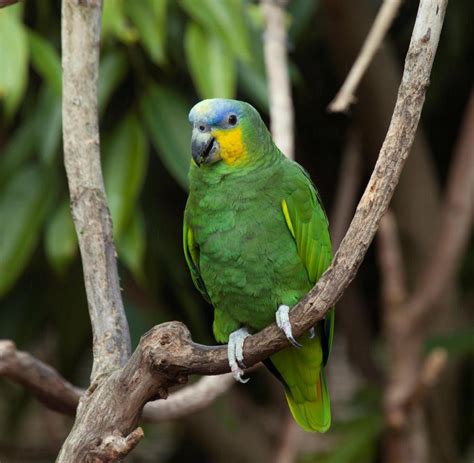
[[255, 237]]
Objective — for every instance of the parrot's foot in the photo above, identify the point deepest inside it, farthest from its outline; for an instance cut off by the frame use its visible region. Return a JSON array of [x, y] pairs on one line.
[[235, 353], [312, 333], [283, 322]]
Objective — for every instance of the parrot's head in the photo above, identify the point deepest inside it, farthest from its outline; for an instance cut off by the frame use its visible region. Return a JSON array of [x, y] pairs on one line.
[[226, 130]]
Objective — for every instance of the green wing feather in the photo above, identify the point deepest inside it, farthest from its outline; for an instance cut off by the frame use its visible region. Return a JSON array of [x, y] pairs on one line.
[[302, 369], [191, 253], [308, 223]]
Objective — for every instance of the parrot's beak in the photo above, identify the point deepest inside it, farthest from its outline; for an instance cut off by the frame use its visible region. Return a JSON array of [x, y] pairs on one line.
[[204, 147]]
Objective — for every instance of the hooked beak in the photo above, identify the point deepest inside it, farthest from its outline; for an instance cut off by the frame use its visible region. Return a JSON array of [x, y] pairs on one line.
[[204, 148]]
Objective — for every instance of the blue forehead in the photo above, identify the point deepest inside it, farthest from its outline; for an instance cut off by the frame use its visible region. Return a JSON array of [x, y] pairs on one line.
[[213, 111]]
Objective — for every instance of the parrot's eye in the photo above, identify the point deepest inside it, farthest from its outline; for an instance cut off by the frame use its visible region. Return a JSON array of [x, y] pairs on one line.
[[202, 128], [232, 119]]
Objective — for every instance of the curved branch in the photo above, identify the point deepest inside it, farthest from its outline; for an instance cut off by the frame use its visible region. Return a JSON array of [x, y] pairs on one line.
[[190, 399], [166, 355], [56, 393], [80, 63], [457, 215], [43, 381]]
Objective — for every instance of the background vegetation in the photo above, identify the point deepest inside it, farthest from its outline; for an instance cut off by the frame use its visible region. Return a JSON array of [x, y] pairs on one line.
[[158, 58]]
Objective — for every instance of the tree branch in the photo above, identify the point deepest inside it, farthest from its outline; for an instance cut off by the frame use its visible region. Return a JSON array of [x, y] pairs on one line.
[[166, 355], [345, 97], [457, 214], [279, 86], [80, 62], [44, 382], [190, 399]]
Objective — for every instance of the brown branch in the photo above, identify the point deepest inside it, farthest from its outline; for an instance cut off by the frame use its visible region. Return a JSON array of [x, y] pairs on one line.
[[346, 95], [56, 393], [279, 86], [43, 381], [394, 290], [190, 399], [80, 62], [4, 3], [455, 225], [166, 355]]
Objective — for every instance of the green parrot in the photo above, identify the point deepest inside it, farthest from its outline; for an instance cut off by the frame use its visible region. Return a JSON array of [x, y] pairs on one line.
[[256, 240]]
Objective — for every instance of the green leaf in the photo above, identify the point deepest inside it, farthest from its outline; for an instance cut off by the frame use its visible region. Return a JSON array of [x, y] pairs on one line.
[[226, 20], [125, 155], [48, 117], [254, 85], [24, 203], [19, 149], [165, 113], [132, 244], [45, 60], [113, 67], [149, 16], [61, 238], [212, 67], [40, 133], [114, 22], [13, 58]]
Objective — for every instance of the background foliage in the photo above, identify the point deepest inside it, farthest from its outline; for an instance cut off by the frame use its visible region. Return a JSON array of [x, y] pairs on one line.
[[158, 58]]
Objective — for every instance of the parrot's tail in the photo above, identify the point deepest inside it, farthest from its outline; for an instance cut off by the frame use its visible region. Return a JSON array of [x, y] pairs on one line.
[[302, 373], [312, 415]]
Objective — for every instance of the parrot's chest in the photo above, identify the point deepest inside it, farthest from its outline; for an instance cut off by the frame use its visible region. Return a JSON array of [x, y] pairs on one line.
[[248, 259]]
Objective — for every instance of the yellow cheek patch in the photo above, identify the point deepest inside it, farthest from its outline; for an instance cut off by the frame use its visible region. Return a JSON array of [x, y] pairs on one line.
[[233, 150]]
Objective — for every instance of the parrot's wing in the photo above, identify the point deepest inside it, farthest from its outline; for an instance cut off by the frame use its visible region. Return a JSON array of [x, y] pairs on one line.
[[191, 253], [307, 222]]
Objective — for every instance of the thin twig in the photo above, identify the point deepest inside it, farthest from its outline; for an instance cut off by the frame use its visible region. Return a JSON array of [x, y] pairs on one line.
[[80, 63], [346, 95], [279, 86], [166, 355]]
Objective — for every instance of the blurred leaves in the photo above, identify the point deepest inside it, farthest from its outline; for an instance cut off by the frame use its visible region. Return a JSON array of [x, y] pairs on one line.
[[165, 113], [131, 246], [113, 67], [226, 20], [212, 66], [46, 61], [149, 17], [115, 23], [61, 238], [125, 153], [24, 203], [13, 58]]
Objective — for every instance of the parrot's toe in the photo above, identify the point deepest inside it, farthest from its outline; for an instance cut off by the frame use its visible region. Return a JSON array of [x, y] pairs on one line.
[[235, 353], [283, 322]]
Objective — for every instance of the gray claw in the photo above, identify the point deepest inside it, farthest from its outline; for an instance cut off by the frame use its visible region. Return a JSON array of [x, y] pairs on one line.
[[283, 322], [312, 333], [235, 353]]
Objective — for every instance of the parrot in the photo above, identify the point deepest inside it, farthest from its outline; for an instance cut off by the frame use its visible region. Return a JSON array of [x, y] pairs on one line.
[[256, 240]]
